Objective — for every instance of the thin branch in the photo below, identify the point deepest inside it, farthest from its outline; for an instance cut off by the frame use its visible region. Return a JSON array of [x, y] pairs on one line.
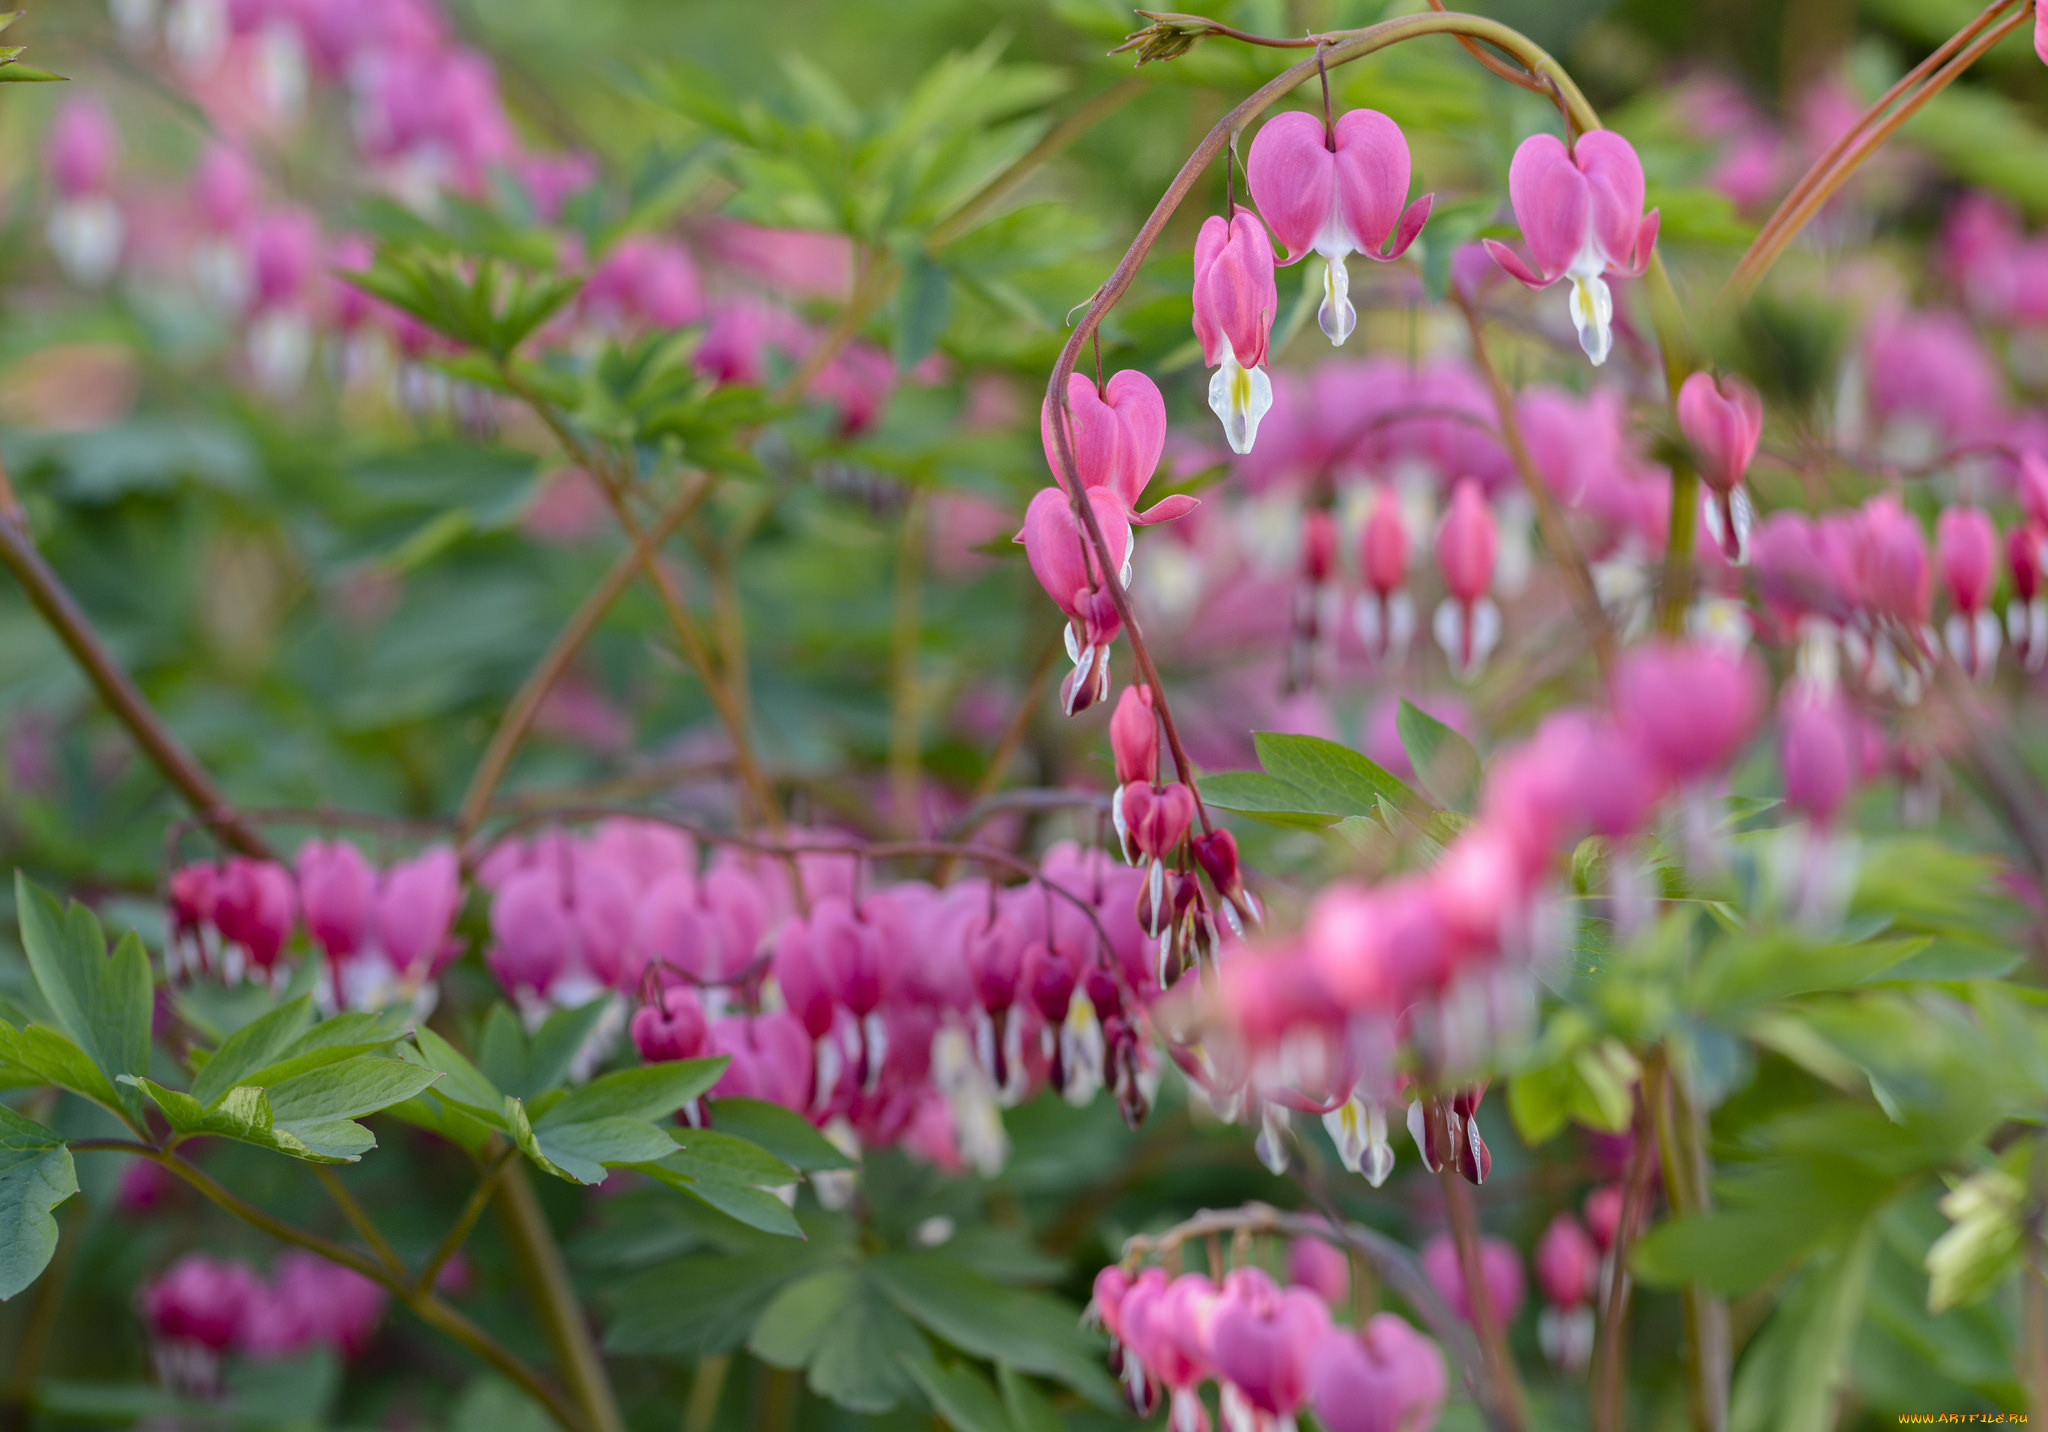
[[465, 1221], [1464, 1220], [1610, 1346], [358, 1219], [1681, 1140], [532, 694], [1827, 176], [547, 1277], [119, 691], [425, 1306], [906, 705]]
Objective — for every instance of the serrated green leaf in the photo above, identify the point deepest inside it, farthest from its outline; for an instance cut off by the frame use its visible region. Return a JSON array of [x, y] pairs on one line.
[[1445, 764], [47, 1057], [860, 1361], [554, 1046], [102, 1002], [463, 1083], [35, 1176], [1030, 1331], [702, 1303], [650, 1091], [256, 1044], [1342, 781]]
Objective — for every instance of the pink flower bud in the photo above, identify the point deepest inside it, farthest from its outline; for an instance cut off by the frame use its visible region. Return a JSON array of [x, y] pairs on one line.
[[1117, 437], [283, 247], [1603, 1214], [417, 902], [1581, 212], [1692, 707], [1499, 1265], [1261, 1339], [1892, 562], [1335, 194], [1567, 1262], [533, 935], [1318, 1266], [254, 908], [1235, 302], [1723, 419], [1216, 853], [81, 148], [1466, 541], [672, 1029], [2023, 546], [806, 992], [1134, 736], [1050, 979], [336, 886], [194, 890], [1062, 557], [1817, 743], [1158, 817], [1381, 1377], [199, 1300], [1966, 544], [771, 1060], [325, 1304], [1318, 546], [1383, 547], [225, 187]]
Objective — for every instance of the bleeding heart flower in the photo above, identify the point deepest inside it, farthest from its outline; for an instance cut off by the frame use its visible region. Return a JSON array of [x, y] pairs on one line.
[[1117, 435], [1064, 561], [1336, 193], [1966, 545], [1581, 212], [1723, 419], [1467, 540], [1235, 303]]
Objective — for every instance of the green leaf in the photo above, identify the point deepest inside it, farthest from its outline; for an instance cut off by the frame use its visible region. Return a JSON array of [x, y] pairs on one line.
[[1739, 971], [651, 1091], [960, 1395], [35, 1176], [603, 1141], [463, 1084], [1793, 1370], [554, 1046], [702, 1304], [256, 1044], [1306, 781], [1030, 1410], [860, 1361], [1030, 1331], [923, 306], [755, 1207], [102, 1002], [782, 1132], [308, 1115], [795, 1322], [47, 1057], [347, 1090], [1445, 764], [720, 1154]]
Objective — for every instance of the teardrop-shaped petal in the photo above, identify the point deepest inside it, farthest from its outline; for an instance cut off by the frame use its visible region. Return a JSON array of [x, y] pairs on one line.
[[1614, 186], [1240, 396], [1551, 203], [1059, 550], [1372, 177], [1117, 434]]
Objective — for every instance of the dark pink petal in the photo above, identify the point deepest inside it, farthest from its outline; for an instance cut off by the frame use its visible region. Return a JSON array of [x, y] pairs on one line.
[[1372, 177], [1551, 204], [1293, 178], [1514, 264]]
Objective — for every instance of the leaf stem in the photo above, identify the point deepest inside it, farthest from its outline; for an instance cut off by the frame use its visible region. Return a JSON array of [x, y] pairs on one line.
[[465, 1221], [425, 1305], [58, 608], [533, 692], [357, 1218], [1610, 1346], [906, 705], [547, 1279], [1507, 1387], [1681, 1141]]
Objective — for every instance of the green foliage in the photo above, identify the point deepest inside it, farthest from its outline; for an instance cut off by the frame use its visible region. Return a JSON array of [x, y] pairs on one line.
[[35, 1176], [482, 303], [1308, 780], [101, 1002]]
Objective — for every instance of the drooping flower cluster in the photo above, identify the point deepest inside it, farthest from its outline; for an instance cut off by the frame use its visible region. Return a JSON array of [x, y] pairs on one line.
[[201, 1309], [1440, 961], [891, 1013], [1272, 1351]]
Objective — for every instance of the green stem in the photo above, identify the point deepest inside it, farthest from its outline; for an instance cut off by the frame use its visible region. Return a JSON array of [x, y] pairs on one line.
[[1464, 1220], [906, 704], [547, 1280], [357, 1218], [425, 1306], [19, 1398], [1681, 1140], [701, 1411], [465, 1221]]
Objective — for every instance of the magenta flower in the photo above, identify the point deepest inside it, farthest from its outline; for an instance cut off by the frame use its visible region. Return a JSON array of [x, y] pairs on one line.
[[2026, 617], [201, 1301], [1134, 736], [1064, 561], [1581, 212], [1260, 1340], [1235, 302], [1336, 194], [673, 1029], [336, 885], [1723, 419], [1323, 1269], [1117, 436], [1381, 1377], [1690, 707], [1818, 747], [1966, 545], [1499, 1266], [1384, 612], [254, 907], [417, 902], [1467, 622]]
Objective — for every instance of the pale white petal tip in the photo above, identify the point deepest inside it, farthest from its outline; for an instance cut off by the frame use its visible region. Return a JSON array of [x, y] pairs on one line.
[[1336, 315], [1592, 308], [1240, 397]]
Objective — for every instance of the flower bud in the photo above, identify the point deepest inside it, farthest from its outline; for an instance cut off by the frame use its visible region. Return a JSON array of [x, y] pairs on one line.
[[1134, 736], [336, 885], [1723, 419], [672, 1029]]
